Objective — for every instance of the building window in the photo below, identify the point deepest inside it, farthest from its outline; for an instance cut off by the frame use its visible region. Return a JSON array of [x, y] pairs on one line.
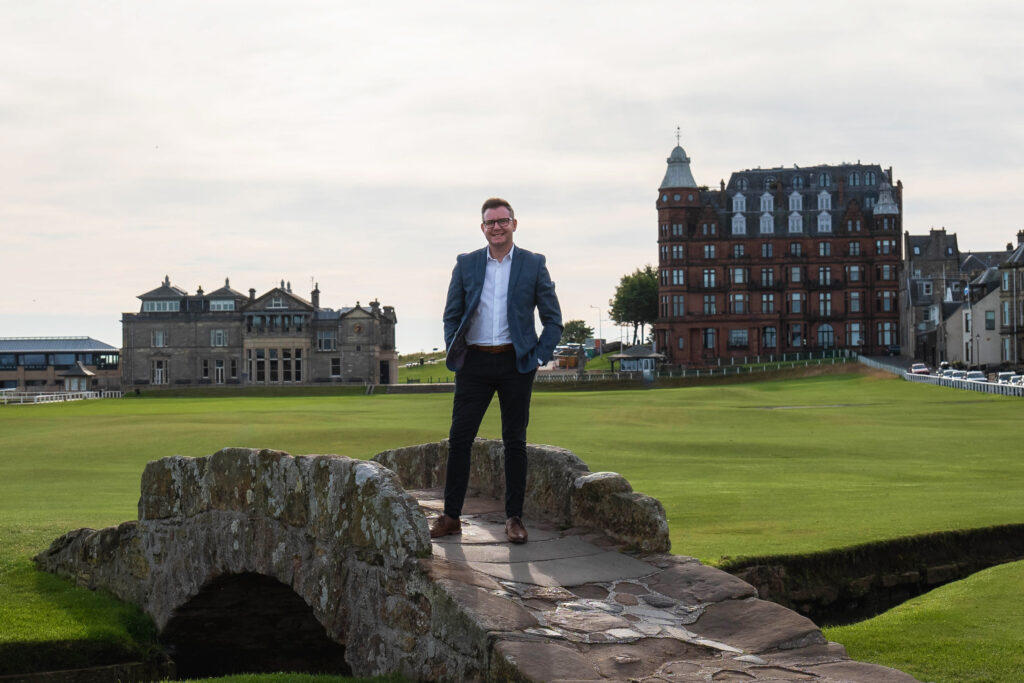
[[767, 277], [796, 222], [678, 305], [767, 223], [796, 302], [159, 339], [854, 248], [1006, 350], [825, 179], [739, 224], [856, 302], [766, 250], [886, 301], [222, 305], [798, 182], [709, 251], [663, 276], [709, 304], [742, 184], [679, 343], [885, 246], [708, 229], [926, 289], [738, 250], [796, 335], [825, 303], [990, 319], [326, 340], [663, 252], [677, 276], [886, 271], [677, 252], [795, 274], [869, 178], [709, 338], [767, 303], [739, 276], [218, 372], [1006, 281], [738, 339], [869, 202], [739, 203], [825, 276], [826, 336], [795, 249], [297, 363], [855, 273], [767, 202], [161, 306], [824, 248], [218, 337], [949, 251], [276, 302], [677, 229], [709, 277], [159, 372], [855, 334], [824, 222], [796, 201], [854, 179], [887, 334], [824, 201], [1006, 313], [234, 368], [738, 303], [768, 337], [206, 368], [664, 306], [917, 250]]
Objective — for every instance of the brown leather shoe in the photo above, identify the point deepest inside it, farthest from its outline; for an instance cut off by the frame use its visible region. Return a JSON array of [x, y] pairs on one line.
[[445, 526], [515, 530]]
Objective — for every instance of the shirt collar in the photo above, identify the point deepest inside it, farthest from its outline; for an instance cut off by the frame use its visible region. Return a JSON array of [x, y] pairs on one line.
[[507, 256]]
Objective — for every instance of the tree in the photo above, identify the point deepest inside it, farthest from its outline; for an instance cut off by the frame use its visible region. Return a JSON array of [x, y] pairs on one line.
[[576, 332], [636, 300]]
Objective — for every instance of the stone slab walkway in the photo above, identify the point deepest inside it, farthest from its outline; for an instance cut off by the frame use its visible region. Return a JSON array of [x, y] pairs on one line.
[[569, 605]]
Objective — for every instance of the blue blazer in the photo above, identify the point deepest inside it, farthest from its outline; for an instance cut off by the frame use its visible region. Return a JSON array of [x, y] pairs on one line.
[[529, 287]]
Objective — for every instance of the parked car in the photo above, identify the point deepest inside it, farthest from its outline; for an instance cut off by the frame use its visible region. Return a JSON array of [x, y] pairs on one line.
[[1004, 377], [947, 372], [976, 376], [919, 369], [959, 374]]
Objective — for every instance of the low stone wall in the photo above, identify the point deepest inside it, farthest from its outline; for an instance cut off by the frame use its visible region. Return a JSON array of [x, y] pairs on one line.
[[560, 488], [341, 533], [850, 584]]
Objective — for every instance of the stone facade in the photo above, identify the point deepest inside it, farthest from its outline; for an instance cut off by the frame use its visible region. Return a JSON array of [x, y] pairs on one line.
[[278, 338], [933, 278], [1011, 307], [778, 260]]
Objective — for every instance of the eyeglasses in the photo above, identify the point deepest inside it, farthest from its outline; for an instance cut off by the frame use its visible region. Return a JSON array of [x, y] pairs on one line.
[[500, 222]]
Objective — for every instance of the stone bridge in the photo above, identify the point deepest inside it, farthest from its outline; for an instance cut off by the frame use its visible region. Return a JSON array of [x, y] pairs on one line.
[[254, 560]]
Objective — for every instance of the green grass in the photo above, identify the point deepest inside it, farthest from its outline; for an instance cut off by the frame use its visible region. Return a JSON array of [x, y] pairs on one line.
[[771, 467], [964, 632]]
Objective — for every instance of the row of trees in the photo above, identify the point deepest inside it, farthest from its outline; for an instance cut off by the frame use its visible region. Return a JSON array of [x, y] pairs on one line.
[[635, 303]]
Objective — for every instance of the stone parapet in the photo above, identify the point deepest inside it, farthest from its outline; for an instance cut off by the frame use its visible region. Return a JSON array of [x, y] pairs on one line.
[[560, 489]]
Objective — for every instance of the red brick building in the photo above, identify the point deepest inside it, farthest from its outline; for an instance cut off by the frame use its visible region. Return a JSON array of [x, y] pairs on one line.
[[776, 261]]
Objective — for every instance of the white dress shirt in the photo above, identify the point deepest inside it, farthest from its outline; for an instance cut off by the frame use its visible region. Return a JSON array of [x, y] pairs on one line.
[[489, 326]]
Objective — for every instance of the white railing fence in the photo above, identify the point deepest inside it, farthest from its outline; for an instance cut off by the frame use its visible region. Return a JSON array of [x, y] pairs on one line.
[[8, 396]]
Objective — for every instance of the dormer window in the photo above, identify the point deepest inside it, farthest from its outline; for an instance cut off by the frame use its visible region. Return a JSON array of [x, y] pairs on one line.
[[796, 201], [854, 179], [824, 201], [869, 178], [222, 305], [769, 183], [276, 302], [161, 306], [824, 222], [767, 223], [825, 179], [798, 182], [739, 203], [739, 224], [796, 222], [767, 202], [742, 184]]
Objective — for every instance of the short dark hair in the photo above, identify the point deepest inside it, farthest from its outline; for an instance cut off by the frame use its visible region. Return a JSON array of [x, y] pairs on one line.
[[494, 203]]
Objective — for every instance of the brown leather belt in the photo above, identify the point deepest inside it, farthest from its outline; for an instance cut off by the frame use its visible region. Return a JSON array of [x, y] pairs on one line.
[[492, 349]]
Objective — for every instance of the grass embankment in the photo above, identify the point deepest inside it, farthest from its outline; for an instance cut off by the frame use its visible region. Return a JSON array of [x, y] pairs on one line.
[[746, 469], [969, 631]]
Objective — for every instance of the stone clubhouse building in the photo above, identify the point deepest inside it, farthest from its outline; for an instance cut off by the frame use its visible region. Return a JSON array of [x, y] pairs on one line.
[[224, 337]]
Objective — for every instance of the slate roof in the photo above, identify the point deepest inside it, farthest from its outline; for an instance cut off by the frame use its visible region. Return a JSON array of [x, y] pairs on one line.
[[165, 291], [1017, 257], [225, 292], [678, 173], [53, 345]]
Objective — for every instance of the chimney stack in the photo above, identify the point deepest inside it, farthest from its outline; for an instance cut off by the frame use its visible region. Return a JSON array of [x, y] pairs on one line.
[[252, 294], [1020, 237], [315, 296]]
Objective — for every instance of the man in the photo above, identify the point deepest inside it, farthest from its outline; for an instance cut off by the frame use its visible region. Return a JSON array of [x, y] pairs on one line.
[[493, 347]]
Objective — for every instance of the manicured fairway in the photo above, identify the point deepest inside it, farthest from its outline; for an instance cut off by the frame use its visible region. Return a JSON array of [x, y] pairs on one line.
[[743, 469]]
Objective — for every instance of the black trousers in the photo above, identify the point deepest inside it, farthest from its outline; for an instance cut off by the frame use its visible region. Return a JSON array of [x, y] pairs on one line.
[[482, 375]]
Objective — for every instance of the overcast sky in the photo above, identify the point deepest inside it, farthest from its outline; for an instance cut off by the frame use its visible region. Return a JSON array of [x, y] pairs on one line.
[[352, 144]]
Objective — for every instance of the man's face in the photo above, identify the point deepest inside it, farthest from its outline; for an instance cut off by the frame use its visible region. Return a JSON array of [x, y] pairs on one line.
[[499, 237]]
